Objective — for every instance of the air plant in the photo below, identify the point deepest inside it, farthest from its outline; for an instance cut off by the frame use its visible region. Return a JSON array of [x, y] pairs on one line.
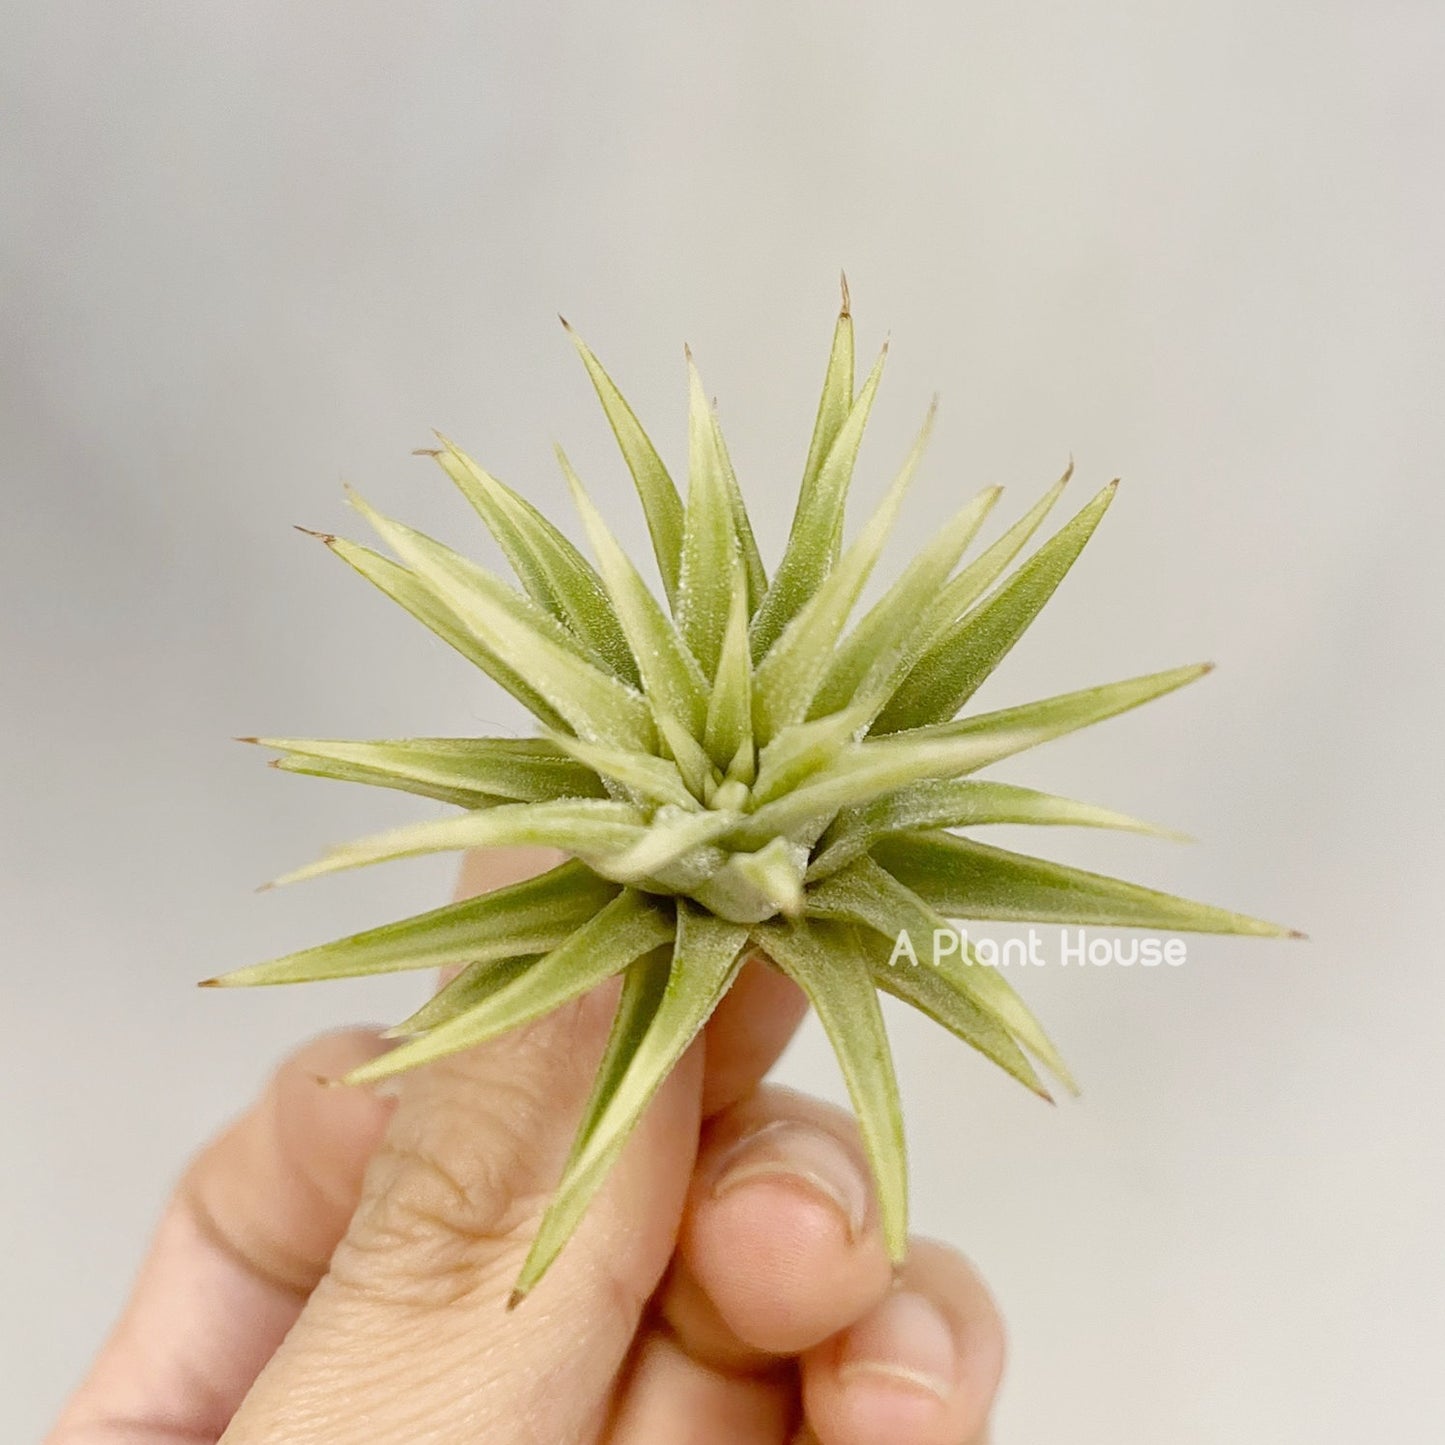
[[733, 772]]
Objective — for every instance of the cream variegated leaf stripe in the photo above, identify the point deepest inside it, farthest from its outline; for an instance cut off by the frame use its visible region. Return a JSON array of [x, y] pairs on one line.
[[734, 770]]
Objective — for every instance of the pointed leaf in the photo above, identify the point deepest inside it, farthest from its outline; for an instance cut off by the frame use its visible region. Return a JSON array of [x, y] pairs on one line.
[[596, 704], [625, 929], [963, 879], [530, 916], [553, 572], [472, 772], [888, 640], [788, 677], [709, 542], [955, 668], [646, 776], [960, 803], [866, 771], [835, 402], [660, 501], [867, 894], [591, 828], [974, 580], [406, 588], [754, 574], [671, 677], [815, 538], [803, 750], [938, 998], [664, 1006], [728, 730], [476, 982], [827, 963], [1055, 717], [671, 833]]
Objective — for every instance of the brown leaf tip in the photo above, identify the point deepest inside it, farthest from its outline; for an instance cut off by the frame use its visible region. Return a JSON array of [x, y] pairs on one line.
[[514, 1299], [847, 306], [327, 537]]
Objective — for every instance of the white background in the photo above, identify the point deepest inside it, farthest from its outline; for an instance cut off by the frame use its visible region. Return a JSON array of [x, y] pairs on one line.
[[249, 251]]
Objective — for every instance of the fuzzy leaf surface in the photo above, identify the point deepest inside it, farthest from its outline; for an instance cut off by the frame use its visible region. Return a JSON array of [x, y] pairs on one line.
[[661, 503], [961, 878], [532, 916], [959, 803], [827, 963], [410, 592], [814, 541], [607, 943], [867, 894], [472, 772], [788, 677], [664, 1006], [591, 828], [551, 570], [950, 672]]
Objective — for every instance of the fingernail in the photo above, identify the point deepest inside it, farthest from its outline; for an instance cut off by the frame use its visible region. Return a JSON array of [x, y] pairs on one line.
[[906, 1340], [803, 1155]]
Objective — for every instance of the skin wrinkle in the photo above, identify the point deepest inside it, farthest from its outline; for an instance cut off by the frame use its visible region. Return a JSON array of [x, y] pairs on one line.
[[208, 1226]]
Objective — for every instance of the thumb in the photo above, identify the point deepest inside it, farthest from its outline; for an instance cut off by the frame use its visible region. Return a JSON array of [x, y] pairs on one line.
[[408, 1336]]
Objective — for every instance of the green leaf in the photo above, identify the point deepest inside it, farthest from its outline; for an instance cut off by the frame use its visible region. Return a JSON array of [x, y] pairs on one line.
[[709, 542], [1055, 717], [788, 677], [591, 828], [947, 675], [671, 677], [974, 580], [939, 998], [728, 730], [421, 601], [867, 894], [800, 751], [645, 776], [660, 501], [960, 803], [670, 835], [476, 982], [526, 917], [625, 929], [692, 761], [835, 402], [755, 575], [816, 535], [753, 887], [665, 1003], [827, 963], [553, 572], [961, 878], [878, 652], [471, 772], [869, 769], [596, 704]]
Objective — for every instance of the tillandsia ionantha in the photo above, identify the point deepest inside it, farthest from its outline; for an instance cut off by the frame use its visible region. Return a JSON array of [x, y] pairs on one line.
[[731, 772]]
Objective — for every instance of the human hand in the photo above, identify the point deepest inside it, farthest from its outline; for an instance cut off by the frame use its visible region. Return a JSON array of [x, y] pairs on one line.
[[335, 1267]]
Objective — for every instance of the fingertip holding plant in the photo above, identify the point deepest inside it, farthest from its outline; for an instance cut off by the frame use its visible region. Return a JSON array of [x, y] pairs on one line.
[[731, 771]]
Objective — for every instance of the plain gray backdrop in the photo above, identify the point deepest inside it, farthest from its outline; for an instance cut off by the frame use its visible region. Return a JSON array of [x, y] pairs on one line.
[[250, 251]]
